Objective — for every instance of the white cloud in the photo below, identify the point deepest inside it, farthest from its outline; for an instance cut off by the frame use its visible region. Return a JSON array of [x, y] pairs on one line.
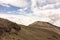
[[50, 7], [18, 3], [46, 12], [41, 11], [46, 9], [46, 4], [21, 19], [57, 23], [4, 4]]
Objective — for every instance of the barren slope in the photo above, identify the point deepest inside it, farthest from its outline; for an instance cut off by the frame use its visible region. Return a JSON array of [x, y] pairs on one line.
[[35, 31], [45, 25], [29, 33]]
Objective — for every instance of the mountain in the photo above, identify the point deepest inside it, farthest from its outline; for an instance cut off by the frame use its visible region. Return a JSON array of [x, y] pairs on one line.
[[7, 26], [45, 25], [27, 32], [42, 24]]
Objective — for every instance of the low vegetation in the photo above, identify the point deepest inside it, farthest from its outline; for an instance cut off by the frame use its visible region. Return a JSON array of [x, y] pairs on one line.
[[35, 31]]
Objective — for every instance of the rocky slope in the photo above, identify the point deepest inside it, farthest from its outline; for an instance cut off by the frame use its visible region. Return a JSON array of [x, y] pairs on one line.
[[35, 31], [29, 33], [45, 25]]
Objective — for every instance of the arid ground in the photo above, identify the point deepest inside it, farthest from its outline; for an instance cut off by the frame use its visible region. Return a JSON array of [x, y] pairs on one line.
[[35, 31]]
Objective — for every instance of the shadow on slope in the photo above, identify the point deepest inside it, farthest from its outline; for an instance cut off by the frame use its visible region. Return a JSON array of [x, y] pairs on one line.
[[7, 26]]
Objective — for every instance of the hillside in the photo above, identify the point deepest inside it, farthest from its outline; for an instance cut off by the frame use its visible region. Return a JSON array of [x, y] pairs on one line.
[[45, 25], [31, 32], [28, 33], [42, 24]]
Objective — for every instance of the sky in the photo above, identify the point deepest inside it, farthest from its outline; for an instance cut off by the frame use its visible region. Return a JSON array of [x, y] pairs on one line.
[[29, 11], [29, 6]]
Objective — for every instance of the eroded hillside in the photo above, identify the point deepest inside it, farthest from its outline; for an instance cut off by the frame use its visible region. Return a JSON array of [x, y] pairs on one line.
[[35, 31]]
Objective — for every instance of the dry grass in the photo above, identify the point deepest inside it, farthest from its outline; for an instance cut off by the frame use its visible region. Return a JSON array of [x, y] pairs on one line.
[[36, 31], [29, 33]]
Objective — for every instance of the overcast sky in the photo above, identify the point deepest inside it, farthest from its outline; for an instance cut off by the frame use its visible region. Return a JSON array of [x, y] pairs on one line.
[[29, 6], [30, 9]]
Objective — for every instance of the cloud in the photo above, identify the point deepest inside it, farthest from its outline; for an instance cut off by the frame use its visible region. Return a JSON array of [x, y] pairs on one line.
[[32, 10], [57, 23], [45, 7], [5, 5], [18, 3], [51, 6], [8, 9], [46, 13], [22, 19], [46, 4], [18, 6]]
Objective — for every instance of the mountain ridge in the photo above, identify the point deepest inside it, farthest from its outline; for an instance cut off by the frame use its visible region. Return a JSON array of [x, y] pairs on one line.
[[31, 33]]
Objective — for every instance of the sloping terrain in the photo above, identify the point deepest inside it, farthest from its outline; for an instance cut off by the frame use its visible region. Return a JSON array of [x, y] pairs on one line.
[[45, 25], [42, 24], [29, 33], [7, 26], [39, 31]]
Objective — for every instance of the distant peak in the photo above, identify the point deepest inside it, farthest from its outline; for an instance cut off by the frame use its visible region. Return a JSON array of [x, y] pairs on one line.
[[42, 24]]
